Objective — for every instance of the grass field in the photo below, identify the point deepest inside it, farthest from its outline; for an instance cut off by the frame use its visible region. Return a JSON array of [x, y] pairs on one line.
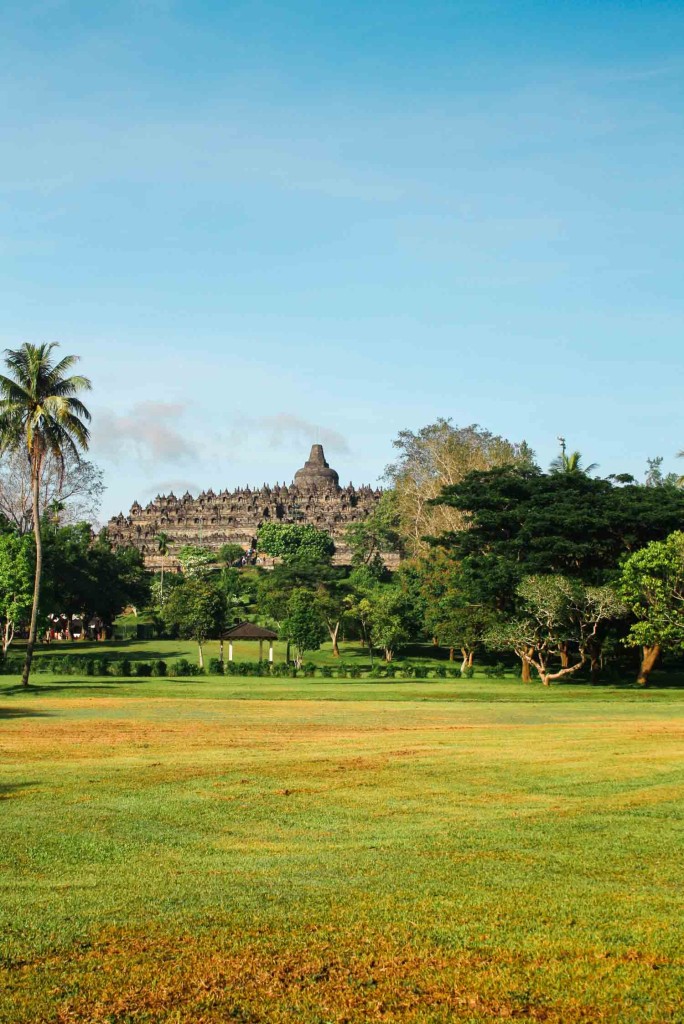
[[339, 851]]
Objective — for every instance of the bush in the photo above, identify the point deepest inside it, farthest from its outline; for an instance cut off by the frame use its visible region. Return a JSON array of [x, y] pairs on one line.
[[409, 671], [308, 669], [497, 671], [390, 670], [159, 668], [122, 667], [326, 671], [101, 667], [454, 673], [181, 668], [468, 673], [89, 666], [143, 669], [215, 667], [354, 671], [440, 672]]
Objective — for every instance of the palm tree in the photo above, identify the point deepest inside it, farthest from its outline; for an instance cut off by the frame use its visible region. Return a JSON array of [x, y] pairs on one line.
[[570, 462], [162, 540], [41, 415]]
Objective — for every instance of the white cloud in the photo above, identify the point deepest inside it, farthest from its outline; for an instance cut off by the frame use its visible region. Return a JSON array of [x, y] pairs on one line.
[[285, 429], [148, 433]]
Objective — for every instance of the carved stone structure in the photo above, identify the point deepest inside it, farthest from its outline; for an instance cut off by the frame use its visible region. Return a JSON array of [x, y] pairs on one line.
[[211, 520]]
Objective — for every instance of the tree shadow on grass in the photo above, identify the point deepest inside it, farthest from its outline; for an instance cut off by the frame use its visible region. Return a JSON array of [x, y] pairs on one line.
[[103, 686], [14, 712], [8, 789]]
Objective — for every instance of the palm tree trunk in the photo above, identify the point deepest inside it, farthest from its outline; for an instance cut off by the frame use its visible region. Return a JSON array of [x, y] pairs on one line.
[[36, 582]]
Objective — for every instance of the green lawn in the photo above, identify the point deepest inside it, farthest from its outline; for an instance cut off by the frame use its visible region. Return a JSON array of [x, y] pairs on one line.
[[316, 850]]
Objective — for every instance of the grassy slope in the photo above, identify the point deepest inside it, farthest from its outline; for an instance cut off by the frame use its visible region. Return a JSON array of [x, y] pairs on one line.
[[465, 850]]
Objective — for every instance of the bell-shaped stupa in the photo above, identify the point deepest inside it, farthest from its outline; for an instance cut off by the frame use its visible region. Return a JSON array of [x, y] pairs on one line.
[[316, 474]]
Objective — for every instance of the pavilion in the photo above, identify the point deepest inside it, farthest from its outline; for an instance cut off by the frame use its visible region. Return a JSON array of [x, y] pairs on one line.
[[249, 631]]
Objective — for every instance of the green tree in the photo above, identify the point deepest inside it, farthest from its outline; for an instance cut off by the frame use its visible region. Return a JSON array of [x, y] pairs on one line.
[[437, 456], [197, 610], [377, 534], [295, 543], [303, 625], [195, 561], [230, 554], [162, 542], [41, 414], [652, 585], [16, 583], [557, 616], [570, 462]]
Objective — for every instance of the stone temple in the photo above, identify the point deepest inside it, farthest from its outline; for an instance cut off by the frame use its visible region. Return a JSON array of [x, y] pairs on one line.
[[234, 517]]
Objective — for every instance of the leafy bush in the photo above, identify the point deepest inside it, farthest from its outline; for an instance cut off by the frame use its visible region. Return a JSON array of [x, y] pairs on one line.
[[159, 668], [308, 669], [182, 668], [326, 671], [143, 669], [390, 671], [468, 672], [409, 671], [122, 667], [354, 671], [440, 672], [89, 666], [497, 671], [101, 667], [215, 667]]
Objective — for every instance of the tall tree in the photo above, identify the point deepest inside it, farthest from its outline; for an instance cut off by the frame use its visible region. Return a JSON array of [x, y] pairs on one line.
[[16, 583], [73, 489], [570, 462], [41, 414], [197, 609], [652, 584], [162, 542], [440, 455]]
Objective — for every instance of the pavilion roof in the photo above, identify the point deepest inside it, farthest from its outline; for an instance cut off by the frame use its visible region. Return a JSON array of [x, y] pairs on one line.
[[249, 631]]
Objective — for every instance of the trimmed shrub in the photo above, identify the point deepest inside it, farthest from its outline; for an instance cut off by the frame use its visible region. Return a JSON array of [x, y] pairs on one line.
[[354, 671], [101, 667], [454, 673], [121, 667], [215, 667], [390, 670], [468, 673], [89, 666], [159, 668], [308, 669], [409, 671], [497, 671], [440, 672], [143, 669], [326, 671]]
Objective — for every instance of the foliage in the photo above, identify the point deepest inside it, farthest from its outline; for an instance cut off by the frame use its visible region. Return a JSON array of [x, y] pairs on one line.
[[70, 488], [42, 417], [230, 554], [196, 562], [652, 585], [437, 456], [16, 584], [303, 625], [294, 542], [557, 616], [389, 619], [197, 610], [524, 522], [378, 533]]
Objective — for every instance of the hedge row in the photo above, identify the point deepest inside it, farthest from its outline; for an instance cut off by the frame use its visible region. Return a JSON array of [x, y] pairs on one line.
[[68, 665]]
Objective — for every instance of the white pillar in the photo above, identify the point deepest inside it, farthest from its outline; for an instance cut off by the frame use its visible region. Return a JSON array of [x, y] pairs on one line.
[[230, 650], [270, 651]]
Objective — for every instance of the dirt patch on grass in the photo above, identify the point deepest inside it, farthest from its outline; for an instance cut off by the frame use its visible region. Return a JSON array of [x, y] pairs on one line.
[[126, 977]]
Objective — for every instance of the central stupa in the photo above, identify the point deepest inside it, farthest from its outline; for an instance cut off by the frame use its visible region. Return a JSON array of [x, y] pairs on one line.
[[316, 474]]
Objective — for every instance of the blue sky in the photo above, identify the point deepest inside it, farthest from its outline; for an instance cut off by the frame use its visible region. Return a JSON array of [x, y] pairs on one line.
[[266, 224]]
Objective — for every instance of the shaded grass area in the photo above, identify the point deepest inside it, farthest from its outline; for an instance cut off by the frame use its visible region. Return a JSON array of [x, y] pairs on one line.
[[197, 859]]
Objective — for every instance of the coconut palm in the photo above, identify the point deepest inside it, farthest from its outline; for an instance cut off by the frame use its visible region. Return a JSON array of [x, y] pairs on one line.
[[41, 415], [162, 541], [570, 462]]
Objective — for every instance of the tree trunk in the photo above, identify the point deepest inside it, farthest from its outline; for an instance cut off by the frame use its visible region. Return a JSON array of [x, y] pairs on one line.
[[564, 657], [464, 663], [389, 654], [200, 654], [526, 675], [334, 631], [39, 571], [451, 654], [649, 657], [7, 636], [471, 658], [161, 588]]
